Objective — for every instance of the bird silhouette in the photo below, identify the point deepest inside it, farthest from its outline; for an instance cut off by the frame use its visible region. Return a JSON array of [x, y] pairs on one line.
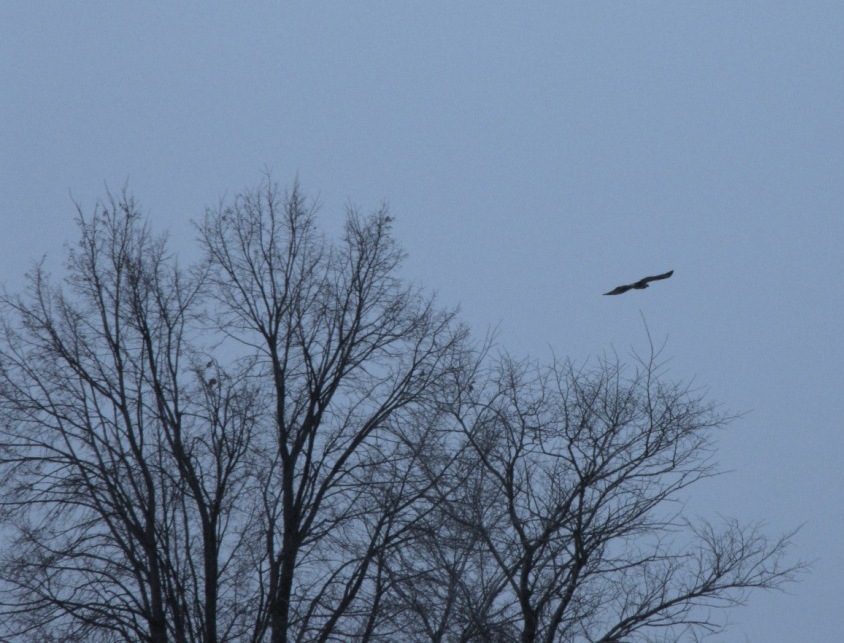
[[642, 283]]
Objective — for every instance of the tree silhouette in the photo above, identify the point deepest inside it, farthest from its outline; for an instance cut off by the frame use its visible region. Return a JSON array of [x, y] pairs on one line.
[[286, 442]]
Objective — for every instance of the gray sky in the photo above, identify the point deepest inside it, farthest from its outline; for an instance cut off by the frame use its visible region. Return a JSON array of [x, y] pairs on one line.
[[534, 156]]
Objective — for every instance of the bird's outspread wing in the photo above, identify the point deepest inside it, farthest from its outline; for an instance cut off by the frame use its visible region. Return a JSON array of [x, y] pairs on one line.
[[618, 290], [664, 275]]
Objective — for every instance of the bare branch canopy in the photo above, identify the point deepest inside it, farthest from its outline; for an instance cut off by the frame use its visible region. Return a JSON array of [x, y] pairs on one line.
[[286, 441]]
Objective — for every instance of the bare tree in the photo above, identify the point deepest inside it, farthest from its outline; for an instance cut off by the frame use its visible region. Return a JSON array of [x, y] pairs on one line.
[[286, 442], [566, 496], [122, 467], [348, 355]]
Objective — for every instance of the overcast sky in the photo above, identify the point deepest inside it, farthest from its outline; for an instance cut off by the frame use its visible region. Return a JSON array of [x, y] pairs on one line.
[[534, 155]]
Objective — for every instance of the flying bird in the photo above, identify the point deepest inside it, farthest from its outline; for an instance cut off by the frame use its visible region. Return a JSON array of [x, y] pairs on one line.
[[642, 283]]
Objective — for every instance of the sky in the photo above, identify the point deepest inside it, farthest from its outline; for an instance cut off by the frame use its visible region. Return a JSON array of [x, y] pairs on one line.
[[533, 155]]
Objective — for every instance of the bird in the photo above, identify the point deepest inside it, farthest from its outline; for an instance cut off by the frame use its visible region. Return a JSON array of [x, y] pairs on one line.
[[642, 283]]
